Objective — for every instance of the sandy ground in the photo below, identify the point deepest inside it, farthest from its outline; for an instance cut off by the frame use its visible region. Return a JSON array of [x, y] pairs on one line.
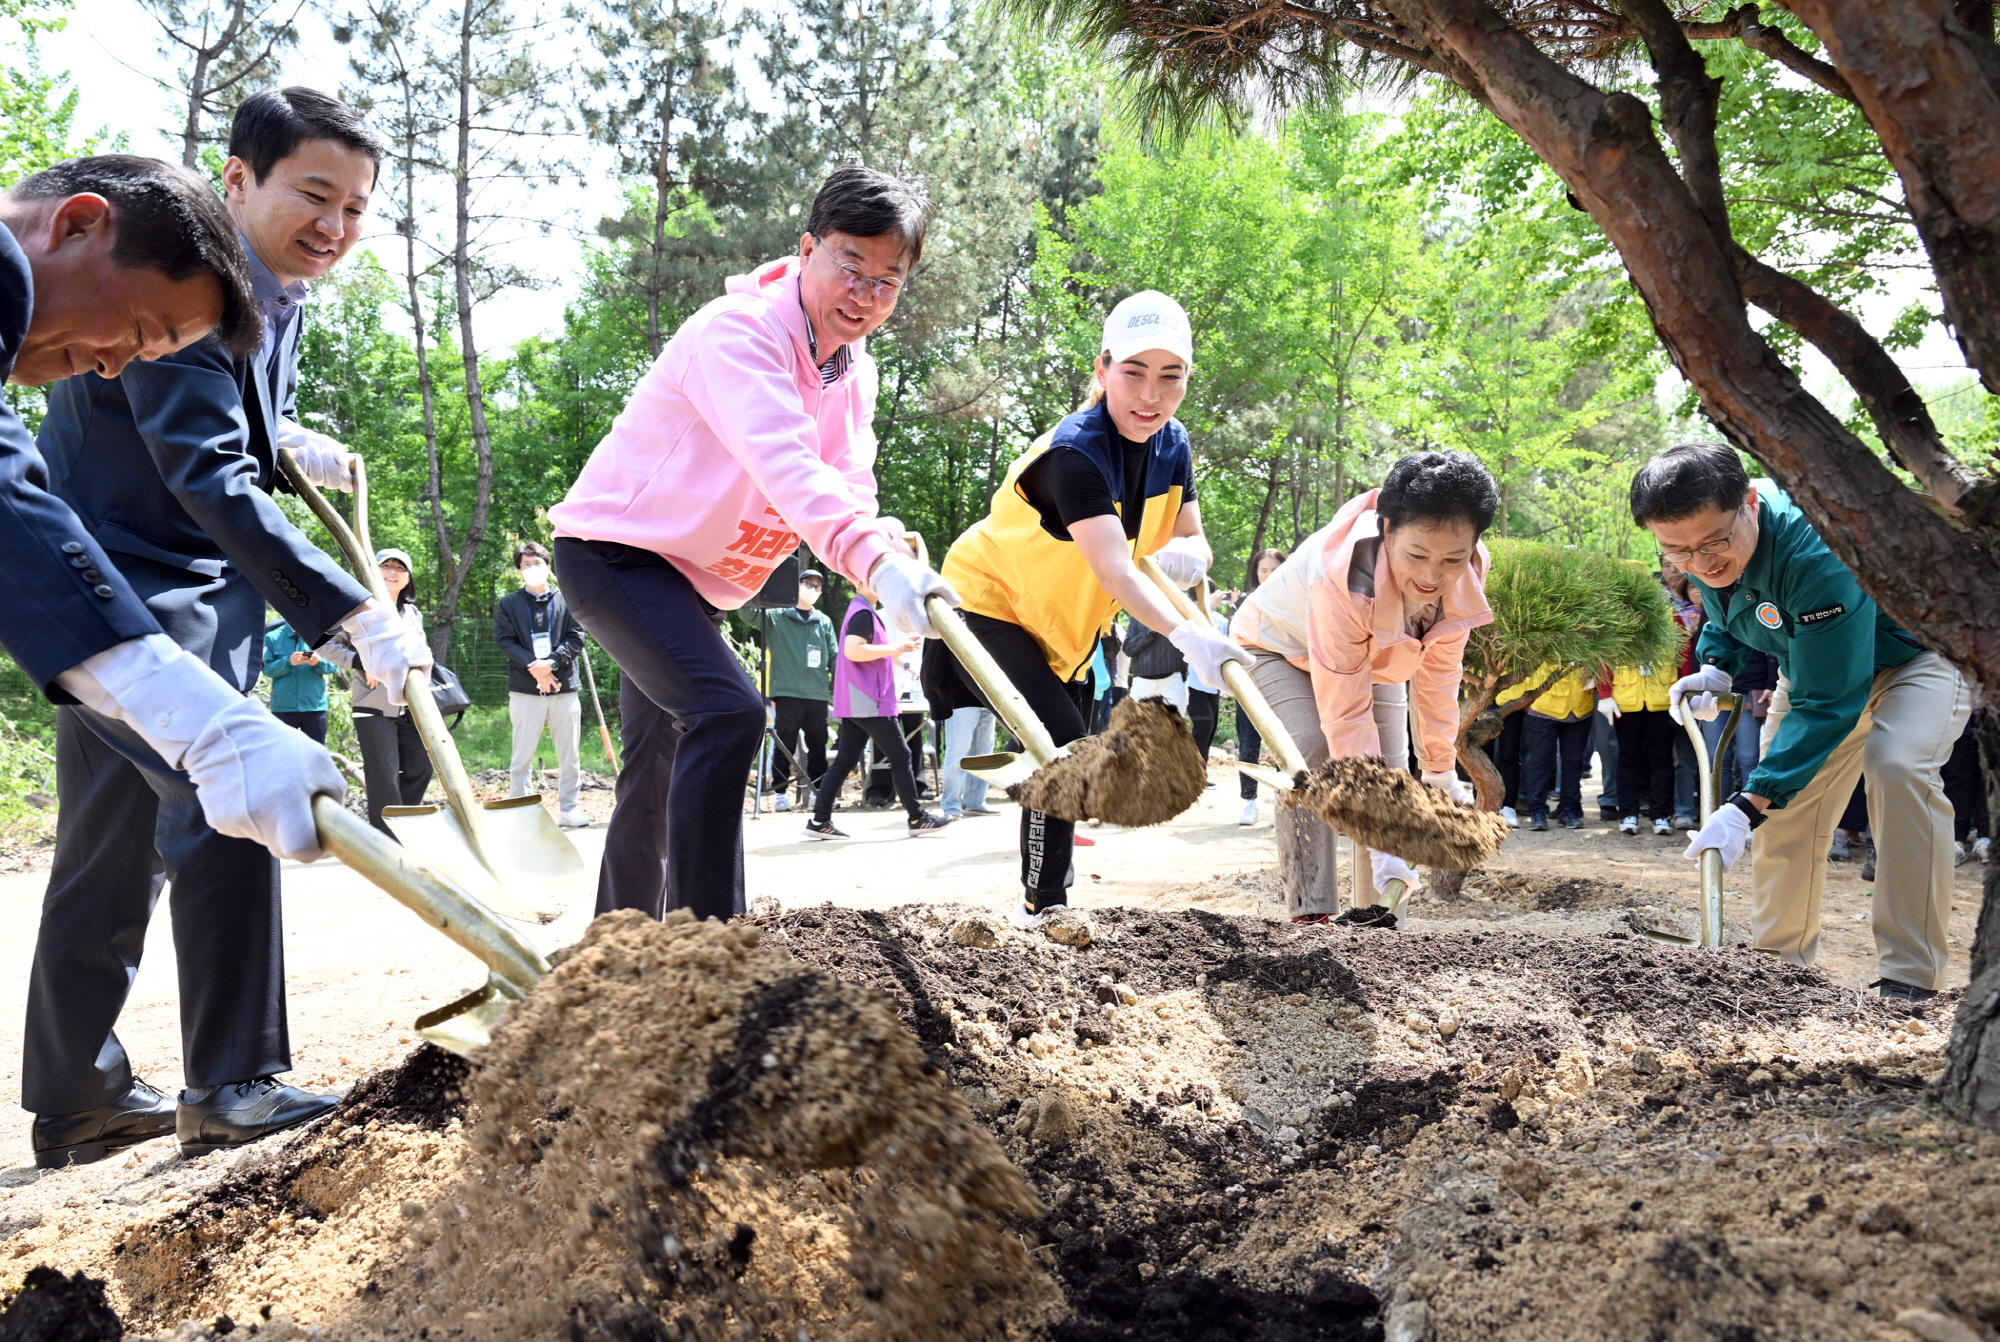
[[361, 968]]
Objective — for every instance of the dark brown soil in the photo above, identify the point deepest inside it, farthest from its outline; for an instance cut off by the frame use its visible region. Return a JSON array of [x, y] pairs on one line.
[[53, 1308], [1144, 770]]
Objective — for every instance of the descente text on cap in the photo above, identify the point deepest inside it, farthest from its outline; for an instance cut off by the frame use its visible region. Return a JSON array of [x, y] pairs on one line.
[[1148, 320]]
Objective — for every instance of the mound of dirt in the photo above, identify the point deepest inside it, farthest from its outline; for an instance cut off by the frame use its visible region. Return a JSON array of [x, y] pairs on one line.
[[53, 1308]]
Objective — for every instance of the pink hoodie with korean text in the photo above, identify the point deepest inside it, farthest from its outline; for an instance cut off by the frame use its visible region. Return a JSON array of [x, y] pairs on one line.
[[730, 450], [1320, 612]]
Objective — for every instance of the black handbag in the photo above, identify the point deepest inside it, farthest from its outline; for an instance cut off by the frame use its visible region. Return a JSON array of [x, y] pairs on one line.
[[448, 692], [781, 589]]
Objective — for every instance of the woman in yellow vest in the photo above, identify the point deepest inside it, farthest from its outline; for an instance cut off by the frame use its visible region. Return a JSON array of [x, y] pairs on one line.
[[1638, 711], [1043, 573], [1559, 723]]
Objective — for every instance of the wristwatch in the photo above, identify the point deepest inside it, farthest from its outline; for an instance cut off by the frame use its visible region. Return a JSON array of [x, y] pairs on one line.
[[1748, 807]]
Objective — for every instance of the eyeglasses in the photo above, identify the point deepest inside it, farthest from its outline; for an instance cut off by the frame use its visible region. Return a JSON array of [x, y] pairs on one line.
[[886, 290], [1681, 558]]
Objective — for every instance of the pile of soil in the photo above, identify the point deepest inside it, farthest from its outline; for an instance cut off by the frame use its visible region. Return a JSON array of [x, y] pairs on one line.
[[1185, 1124]]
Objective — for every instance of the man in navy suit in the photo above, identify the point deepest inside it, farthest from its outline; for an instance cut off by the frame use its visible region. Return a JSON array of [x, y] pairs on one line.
[[169, 465]]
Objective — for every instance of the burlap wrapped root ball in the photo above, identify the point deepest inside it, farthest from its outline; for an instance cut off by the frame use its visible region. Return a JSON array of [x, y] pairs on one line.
[[1392, 811], [1144, 771]]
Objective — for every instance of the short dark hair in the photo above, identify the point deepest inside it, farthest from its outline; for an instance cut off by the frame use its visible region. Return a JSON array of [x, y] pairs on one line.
[[271, 124], [864, 203], [530, 550], [1432, 487], [1683, 480], [165, 219]]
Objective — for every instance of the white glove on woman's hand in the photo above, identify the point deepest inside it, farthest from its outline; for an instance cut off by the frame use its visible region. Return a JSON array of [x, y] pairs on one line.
[[1699, 691], [1388, 867], [1610, 709], [1184, 562], [1452, 786], [325, 462], [903, 585], [388, 646], [1727, 831], [1206, 649], [254, 776]]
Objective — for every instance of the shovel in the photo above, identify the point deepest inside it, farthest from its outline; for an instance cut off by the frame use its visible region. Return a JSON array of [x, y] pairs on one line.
[[1711, 859], [514, 967], [508, 854]]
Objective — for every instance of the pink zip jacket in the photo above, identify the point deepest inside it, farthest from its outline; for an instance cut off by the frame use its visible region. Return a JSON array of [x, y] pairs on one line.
[[730, 450], [1319, 612]]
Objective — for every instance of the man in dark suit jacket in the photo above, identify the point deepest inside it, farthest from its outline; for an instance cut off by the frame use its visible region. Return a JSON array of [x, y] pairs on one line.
[[104, 261], [542, 641], [169, 465]]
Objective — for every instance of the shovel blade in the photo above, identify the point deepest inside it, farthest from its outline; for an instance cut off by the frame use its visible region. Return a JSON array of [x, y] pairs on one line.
[[1002, 770], [540, 870], [1268, 777], [466, 1026]]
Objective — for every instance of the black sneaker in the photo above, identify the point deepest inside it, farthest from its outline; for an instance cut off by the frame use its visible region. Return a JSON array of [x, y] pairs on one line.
[[822, 829], [1868, 864], [1903, 992], [1539, 820], [1570, 820], [930, 822]]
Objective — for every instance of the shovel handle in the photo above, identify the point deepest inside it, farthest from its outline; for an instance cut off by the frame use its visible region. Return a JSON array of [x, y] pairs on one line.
[[1236, 678], [417, 688], [1711, 859], [433, 896]]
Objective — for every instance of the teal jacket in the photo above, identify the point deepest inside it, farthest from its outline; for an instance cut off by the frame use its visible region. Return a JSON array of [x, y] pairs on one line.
[[294, 689], [1799, 603]]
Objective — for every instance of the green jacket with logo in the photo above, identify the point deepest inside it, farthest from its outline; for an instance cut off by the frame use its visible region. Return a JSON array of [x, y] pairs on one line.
[[801, 644], [1799, 603]]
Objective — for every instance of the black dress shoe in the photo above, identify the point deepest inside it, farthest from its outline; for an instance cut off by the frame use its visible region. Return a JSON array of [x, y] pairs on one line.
[[140, 1115], [216, 1118]]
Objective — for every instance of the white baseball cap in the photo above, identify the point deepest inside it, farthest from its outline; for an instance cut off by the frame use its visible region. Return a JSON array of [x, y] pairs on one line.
[[1148, 320]]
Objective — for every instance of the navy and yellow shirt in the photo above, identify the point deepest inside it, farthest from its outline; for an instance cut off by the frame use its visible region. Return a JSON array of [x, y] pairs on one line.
[[1799, 603]]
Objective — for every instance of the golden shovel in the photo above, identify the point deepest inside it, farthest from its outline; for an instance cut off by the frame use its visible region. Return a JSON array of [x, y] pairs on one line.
[[1710, 933], [509, 855]]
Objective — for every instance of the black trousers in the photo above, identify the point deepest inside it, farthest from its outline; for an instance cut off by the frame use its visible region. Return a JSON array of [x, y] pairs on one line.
[[1048, 845], [394, 764], [312, 724], [1646, 762], [692, 724], [791, 719], [129, 824], [880, 785], [1249, 749], [855, 733], [1547, 744], [1203, 711], [1964, 787]]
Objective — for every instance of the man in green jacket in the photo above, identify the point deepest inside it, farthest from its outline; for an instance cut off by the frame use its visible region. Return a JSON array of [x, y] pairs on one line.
[[298, 681], [1858, 695], [801, 647]]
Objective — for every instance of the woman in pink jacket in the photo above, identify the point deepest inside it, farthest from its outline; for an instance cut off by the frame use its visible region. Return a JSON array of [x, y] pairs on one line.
[[1380, 598], [751, 431]]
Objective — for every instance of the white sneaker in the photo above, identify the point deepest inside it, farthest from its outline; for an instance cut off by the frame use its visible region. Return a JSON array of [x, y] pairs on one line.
[[1249, 816], [1960, 855], [1023, 918], [1662, 828], [783, 804], [1629, 825], [1982, 849], [1513, 820], [573, 820]]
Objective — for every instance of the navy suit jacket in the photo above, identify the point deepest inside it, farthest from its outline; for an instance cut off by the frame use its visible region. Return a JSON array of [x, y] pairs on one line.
[[68, 601], [170, 465]]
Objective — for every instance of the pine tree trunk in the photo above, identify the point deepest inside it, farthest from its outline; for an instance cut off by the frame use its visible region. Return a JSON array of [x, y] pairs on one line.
[[1970, 1086]]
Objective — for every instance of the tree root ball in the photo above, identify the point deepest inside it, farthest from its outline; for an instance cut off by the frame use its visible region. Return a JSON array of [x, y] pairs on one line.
[[1391, 811], [1144, 771]]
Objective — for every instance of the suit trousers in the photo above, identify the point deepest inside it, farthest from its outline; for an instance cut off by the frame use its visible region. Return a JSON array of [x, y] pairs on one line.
[[791, 719], [1914, 714], [562, 716], [128, 824], [1308, 849], [692, 722]]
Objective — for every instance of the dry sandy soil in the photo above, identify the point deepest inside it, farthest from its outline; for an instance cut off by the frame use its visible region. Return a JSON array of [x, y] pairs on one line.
[[1513, 1117]]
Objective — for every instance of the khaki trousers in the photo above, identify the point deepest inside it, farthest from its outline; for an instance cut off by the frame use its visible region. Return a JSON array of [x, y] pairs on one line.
[[1914, 715], [1308, 849]]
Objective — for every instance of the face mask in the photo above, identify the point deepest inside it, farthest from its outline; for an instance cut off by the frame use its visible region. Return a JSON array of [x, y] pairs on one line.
[[534, 575]]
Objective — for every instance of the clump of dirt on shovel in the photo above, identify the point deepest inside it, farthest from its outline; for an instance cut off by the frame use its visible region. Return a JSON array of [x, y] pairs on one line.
[[1392, 811], [683, 1133], [1144, 771]]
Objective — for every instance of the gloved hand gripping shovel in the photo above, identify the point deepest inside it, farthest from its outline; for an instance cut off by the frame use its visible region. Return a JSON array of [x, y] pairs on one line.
[[509, 855], [1709, 766]]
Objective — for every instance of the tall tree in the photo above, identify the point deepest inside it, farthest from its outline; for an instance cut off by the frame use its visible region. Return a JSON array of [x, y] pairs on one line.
[[220, 50]]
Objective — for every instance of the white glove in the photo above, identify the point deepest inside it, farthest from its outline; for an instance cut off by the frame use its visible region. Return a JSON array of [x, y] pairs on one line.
[[1388, 867], [1451, 785], [1727, 831], [254, 776], [1182, 560], [902, 585], [1206, 649], [388, 647], [1610, 709], [325, 462], [1699, 690]]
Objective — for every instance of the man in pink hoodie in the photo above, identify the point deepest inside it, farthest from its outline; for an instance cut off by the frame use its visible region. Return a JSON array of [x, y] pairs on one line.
[[753, 430]]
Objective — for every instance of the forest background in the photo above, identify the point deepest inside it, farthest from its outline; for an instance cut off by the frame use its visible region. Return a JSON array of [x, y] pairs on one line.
[[1368, 279]]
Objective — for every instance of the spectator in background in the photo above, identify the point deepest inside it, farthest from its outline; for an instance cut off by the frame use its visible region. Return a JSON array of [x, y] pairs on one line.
[[1249, 745], [1116, 676], [911, 714], [1554, 740], [801, 647], [1506, 752], [1759, 678], [533, 627], [298, 681], [1965, 789], [1159, 671], [1687, 609], [864, 695], [968, 731], [1637, 705], [395, 767]]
